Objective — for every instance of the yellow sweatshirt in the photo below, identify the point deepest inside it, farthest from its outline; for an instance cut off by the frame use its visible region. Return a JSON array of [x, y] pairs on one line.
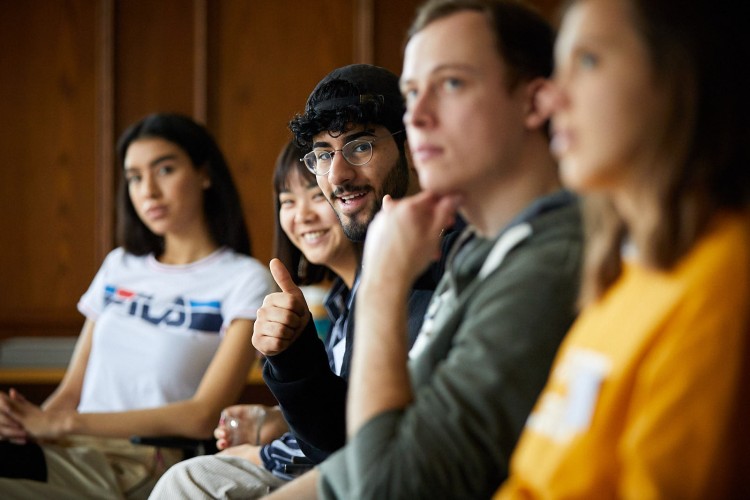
[[641, 397]]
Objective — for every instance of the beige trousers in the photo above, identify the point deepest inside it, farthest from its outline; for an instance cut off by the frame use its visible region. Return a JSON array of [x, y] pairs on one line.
[[95, 468]]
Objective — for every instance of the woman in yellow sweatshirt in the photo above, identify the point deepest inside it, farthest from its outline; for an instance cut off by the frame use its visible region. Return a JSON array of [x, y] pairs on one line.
[[645, 398]]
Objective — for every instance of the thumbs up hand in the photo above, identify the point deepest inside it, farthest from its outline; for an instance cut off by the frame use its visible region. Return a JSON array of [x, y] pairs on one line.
[[283, 315]]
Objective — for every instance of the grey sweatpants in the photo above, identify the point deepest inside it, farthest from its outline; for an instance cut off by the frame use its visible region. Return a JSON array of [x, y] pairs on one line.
[[215, 476]]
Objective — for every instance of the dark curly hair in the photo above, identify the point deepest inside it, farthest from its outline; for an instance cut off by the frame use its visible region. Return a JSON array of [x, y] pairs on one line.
[[358, 94]]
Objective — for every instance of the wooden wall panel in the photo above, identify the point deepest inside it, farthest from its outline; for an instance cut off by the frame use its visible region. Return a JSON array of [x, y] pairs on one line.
[[154, 58], [75, 73], [550, 9], [47, 122], [264, 59], [392, 19]]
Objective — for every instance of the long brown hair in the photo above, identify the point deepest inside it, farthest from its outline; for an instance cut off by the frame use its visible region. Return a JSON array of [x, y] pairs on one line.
[[700, 163]]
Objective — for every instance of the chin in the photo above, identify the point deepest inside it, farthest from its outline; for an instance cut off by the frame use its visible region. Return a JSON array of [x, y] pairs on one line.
[[571, 175], [355, 230], [438, 188], [158, 231]]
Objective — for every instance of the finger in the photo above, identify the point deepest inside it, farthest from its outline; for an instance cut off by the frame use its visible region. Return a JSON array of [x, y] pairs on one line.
[[237, 409], [13, 432], [222, 444], [283, 278], [270, 346], [6, 420], [16, 396], [276, 331], [388, 202], [284, 308], [269, 317]]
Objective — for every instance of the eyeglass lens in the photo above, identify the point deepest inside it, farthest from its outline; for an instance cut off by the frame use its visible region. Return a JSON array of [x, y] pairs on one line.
[[357, 152]]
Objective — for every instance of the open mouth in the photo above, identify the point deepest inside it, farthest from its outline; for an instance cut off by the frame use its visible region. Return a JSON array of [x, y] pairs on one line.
[[314, 236], [350, 198]]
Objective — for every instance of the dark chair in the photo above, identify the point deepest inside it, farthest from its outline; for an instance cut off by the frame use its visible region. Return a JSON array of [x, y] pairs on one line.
[[190, 447]]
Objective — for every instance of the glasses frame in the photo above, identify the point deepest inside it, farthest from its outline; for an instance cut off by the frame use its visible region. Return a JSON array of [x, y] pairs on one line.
[[333, 152]]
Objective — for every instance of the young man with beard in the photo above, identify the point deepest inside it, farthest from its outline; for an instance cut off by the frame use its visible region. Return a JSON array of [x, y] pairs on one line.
[[353, 129]]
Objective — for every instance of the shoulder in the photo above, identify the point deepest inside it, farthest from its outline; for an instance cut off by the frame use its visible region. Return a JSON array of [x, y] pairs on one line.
[[719, 263], [230, 259], [242, 269], [726, 240], [559, 223], [121, 258], [554, 246]]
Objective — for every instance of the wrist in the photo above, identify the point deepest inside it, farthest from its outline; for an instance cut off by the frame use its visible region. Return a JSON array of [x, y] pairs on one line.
[[384, 287], [398, 273], [67, 423]]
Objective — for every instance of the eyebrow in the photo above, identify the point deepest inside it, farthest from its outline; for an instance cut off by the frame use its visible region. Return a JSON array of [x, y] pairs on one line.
[[440, 69], [347, 138]]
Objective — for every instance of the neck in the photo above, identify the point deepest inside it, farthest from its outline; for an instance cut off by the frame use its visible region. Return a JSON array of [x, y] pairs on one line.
[[185, 249], [345, 267], [493, 203], [638, 212]]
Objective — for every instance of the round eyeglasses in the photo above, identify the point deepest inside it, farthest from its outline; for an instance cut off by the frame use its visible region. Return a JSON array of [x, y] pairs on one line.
[[357, 152]]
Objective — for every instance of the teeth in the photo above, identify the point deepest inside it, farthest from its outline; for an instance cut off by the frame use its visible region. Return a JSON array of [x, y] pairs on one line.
[[349, 197], [313, 235]]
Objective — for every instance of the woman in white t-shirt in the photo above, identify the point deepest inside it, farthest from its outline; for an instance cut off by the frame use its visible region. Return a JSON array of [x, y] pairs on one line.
[[169, 318]]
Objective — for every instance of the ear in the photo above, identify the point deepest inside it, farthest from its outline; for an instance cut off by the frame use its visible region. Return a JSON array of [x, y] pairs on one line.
[[537, 112], [206, 179]]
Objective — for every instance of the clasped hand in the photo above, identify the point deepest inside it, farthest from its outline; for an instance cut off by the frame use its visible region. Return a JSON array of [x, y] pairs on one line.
[[21, 420]]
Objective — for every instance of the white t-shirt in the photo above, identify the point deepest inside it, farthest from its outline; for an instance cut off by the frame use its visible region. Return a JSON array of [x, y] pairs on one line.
[[158, 326]]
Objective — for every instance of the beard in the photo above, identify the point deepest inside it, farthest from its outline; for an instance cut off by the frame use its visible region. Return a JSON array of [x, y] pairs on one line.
[[396, 184]]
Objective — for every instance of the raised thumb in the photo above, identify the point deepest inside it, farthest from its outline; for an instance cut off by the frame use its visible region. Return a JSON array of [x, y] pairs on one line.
[[283, 278]]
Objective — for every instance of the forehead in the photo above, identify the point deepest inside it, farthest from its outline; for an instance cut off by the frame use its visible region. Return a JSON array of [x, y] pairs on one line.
[[333, 137], [148, 148], [460, 39], [599, 23], [296, 180]]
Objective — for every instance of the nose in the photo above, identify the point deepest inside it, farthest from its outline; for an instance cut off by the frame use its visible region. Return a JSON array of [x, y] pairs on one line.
[[149, 187], [341, 171], [304, 212], [419, 111], [551, 97]]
